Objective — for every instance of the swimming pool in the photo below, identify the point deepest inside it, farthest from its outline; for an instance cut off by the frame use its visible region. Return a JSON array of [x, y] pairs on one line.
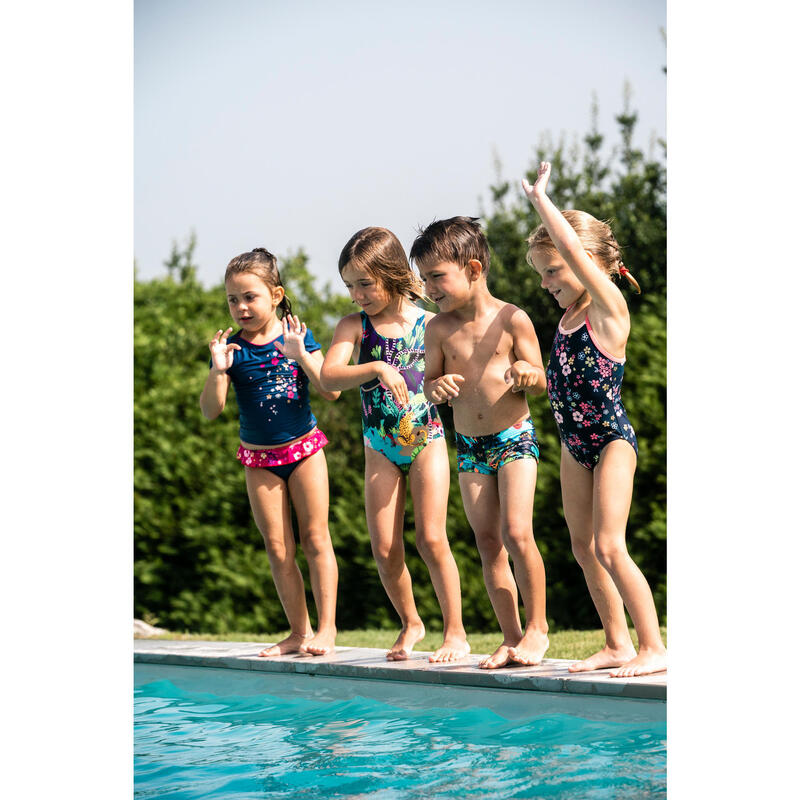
[[219, 733]]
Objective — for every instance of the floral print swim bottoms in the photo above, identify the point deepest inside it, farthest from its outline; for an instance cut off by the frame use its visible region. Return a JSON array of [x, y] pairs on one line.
[[486, 454]]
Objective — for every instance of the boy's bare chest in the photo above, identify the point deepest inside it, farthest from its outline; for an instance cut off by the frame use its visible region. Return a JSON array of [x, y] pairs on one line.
[[475, 349]]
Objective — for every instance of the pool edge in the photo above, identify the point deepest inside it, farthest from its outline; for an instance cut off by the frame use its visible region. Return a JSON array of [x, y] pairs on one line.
[[361, 662]]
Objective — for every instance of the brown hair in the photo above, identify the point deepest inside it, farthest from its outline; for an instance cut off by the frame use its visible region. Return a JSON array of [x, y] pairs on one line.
[[263, 265], [379, 252], [595, 235], [458, 239]]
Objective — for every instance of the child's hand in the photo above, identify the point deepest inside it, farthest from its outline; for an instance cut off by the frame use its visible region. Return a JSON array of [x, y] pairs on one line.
[[294, 334], [394, 382], [221, 351], [539, 189], [445, 388], [521, 375]]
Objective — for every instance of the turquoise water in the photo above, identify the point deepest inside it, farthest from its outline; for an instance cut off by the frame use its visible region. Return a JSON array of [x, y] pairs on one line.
[[210, 733]]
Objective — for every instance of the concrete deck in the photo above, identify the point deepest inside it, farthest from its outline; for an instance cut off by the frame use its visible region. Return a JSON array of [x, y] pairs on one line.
[[362, 662]]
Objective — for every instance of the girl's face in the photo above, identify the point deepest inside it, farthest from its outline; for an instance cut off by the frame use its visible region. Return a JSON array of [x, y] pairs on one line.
[[252, 303], [365, 290], [557, 277]]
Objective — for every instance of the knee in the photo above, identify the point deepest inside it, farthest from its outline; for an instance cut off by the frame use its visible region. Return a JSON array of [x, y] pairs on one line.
[[280, 556], [611, 554], [489, 544], [388, 556], [517, 537], [316, 541], [431, 542], [583, 550]]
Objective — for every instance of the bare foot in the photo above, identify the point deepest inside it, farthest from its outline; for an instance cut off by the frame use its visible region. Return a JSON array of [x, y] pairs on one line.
[[453, 648], [645, 663], [408, 637], [604, 659], [291, 644], [497, 659], [530, 649], [321, 643]]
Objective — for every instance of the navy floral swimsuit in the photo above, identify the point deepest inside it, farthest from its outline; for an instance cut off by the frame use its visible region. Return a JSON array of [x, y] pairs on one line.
[[583, 384]]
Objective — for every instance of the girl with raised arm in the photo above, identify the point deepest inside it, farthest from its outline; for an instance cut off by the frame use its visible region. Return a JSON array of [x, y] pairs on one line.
[[576, 256]]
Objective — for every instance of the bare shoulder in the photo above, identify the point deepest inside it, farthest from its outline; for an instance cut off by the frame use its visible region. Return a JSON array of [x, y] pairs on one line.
[[513, 316], [348, 327], [440, 324]]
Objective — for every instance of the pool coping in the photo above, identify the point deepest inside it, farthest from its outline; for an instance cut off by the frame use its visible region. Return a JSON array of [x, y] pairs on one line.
[[366, 662]]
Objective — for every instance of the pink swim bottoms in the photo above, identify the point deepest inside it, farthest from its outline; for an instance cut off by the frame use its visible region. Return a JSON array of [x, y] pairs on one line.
[[281, 456]]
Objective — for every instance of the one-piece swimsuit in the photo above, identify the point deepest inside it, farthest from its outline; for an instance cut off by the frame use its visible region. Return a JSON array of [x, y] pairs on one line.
[[399, 432], [584, 386]]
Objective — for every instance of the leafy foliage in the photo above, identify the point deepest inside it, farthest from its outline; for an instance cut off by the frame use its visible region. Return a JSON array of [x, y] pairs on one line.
[[199, 560]]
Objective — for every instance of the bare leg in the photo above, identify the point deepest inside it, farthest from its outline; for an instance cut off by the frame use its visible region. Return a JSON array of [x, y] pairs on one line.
[[577, 492], [308, 485], [613, 487], [269, 500], [516, 484], [429, 479], [384, 501], [482, 506]]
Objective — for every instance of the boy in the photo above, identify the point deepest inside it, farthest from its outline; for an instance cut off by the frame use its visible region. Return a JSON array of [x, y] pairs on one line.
[[481, 357]]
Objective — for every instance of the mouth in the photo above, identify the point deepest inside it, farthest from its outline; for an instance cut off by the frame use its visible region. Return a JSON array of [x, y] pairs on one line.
[[245, 319], [438, 298]]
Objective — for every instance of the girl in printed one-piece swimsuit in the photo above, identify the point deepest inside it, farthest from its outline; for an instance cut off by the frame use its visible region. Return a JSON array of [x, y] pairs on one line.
[[403, 436], [576, 255]]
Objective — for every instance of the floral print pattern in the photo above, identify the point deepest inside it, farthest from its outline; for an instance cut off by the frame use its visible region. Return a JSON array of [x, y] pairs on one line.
[[584, 387], [486, 454]]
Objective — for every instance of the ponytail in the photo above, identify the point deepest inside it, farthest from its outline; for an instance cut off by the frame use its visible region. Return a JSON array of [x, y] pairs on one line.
[[626, 273]]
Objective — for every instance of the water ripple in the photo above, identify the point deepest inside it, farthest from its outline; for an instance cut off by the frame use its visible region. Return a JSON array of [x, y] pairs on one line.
[[192, 744]]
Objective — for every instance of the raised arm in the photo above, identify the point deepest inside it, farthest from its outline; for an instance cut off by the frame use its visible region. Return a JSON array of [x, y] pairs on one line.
[[526, 374], [438, 387], [338, 373], [294, 334], [215, 390], [601, 289]]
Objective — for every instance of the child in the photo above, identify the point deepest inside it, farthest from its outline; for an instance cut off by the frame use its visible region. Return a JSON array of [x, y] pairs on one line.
[[576, 255], [482, 356], [403, 436], [270, 362]]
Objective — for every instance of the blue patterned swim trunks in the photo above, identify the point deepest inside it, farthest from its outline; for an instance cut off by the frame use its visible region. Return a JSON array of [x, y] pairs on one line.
[[486, 454]]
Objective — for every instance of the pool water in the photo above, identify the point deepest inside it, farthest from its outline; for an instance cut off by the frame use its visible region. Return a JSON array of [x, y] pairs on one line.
[[217, 733]]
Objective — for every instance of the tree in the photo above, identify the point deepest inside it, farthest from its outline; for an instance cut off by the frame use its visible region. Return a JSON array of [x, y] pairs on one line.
[[199, 559]]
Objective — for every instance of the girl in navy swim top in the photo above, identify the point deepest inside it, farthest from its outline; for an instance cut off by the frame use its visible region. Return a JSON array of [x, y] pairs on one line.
[[576, 255], [270, 361], [403, 435]]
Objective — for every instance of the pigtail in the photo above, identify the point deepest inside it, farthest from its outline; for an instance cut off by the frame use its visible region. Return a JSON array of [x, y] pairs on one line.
[[626, 273], [285, 305]]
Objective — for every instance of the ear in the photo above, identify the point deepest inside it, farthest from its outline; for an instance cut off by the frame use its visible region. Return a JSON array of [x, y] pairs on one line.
[[475, 268], [278, 293]]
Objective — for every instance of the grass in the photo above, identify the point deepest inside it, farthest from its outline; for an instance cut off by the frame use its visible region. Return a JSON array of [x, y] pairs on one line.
[[563, 644]]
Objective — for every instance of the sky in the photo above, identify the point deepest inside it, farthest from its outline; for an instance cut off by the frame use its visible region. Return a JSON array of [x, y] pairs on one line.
[[293, 125]]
